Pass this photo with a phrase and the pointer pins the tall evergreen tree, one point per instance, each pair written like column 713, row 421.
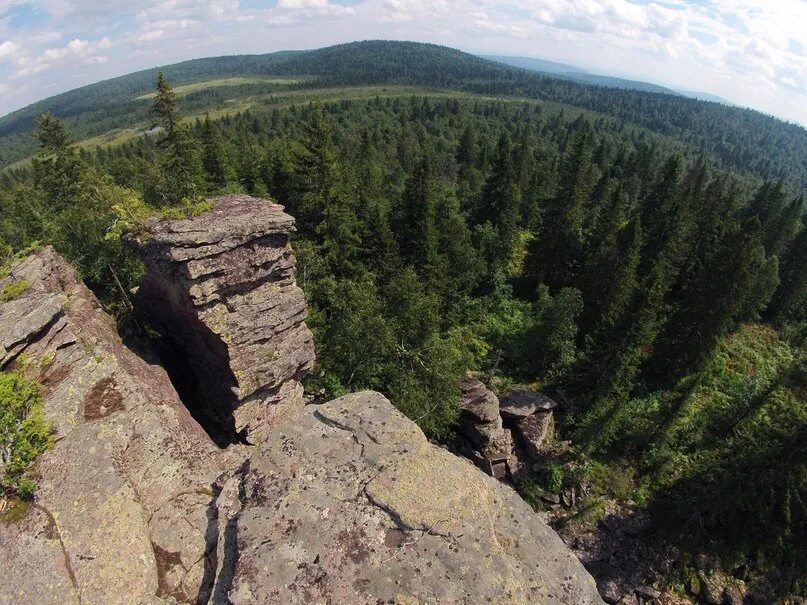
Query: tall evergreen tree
column 501, row 200
column 557, row 247
column 214, row 159
column 182, row 174
column 57, row 169
column 415, row 222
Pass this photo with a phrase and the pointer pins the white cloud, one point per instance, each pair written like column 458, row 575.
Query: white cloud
column 321, row 7
column 76, row 52
column 751, row 51
column 8, row 49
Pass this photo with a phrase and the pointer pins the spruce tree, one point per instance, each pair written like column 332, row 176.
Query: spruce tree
column 415, row 222
column 317, row 170
column 214, row 159
column 788, row 302
column 57, row 169
column 501, row 199
column 182, row 174
column 555, row 253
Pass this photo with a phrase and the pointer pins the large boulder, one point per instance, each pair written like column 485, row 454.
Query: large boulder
column 221, row 288
column 349, row 503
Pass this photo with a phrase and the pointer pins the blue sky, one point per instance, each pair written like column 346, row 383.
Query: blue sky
column 752, row 52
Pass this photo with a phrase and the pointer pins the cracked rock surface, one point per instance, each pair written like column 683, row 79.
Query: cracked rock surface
column 349, row 503
column 345, row 503
column 223, row 286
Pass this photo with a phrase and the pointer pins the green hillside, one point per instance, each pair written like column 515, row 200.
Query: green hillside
column 747, row 140
column 454, row 214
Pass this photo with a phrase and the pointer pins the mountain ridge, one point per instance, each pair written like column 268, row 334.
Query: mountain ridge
column 767, row 146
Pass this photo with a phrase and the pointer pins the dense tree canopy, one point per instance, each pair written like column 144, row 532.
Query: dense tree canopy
column 441, row 234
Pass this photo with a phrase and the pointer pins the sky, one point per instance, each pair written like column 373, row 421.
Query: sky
column 751, row 52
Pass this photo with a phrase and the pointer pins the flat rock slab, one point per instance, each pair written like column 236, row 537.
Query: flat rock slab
column 520, row 404
column 349, row 503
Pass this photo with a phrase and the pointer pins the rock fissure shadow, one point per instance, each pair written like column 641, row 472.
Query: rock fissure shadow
column 197, row 362
column 205, row 384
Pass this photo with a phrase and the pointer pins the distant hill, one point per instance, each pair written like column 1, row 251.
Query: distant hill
column 705, row 96
column 570, row 72
column 749, row 140
column 549, row 67
column 562, row 70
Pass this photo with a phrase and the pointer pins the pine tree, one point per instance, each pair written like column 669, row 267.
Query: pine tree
column 318, row 170
column 214, row 159
column 57, row 169
column 789, row 301
column 466, row 149
column 501, row 199
column 182, row 174
column 557, row 247
column 415, row 224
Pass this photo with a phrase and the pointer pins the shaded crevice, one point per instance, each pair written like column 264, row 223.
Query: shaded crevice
column 224, row 574
column 196, row 360
column 211, row 549
column 207, row 392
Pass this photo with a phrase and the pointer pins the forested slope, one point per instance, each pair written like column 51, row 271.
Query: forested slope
column 741, row 138
column 661, row 295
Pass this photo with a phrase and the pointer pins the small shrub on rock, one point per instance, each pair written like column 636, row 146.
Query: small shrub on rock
column 24, row 433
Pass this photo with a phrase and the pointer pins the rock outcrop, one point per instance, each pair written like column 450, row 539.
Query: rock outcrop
column 221, row 288
column 121, row 512
column 530, row 415
column 342, row 503
column 349, row 503
column 488, row 427
column 489, row 444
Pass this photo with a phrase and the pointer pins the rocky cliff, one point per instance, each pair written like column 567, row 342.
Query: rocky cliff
column 342, row 503
column 222, row 286
column 121, row 513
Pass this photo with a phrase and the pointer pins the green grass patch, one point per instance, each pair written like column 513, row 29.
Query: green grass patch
column 186, row 89
column 14, row 289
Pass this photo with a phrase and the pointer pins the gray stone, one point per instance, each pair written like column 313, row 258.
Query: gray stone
column 122, row 496
column 346, row 502
column 478, row 401
column 222, row 285
column 520, row 404
column 349, row 503
column 534, row 431
column 647, row 592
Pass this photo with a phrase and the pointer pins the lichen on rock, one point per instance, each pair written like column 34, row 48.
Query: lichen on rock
column 345, row 502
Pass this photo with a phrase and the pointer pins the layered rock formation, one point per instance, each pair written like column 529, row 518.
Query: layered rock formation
column 221, row 286
column 344, row 503
column 488, row 427
column 490, row 445
column 530, row 415
column 121, row 512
